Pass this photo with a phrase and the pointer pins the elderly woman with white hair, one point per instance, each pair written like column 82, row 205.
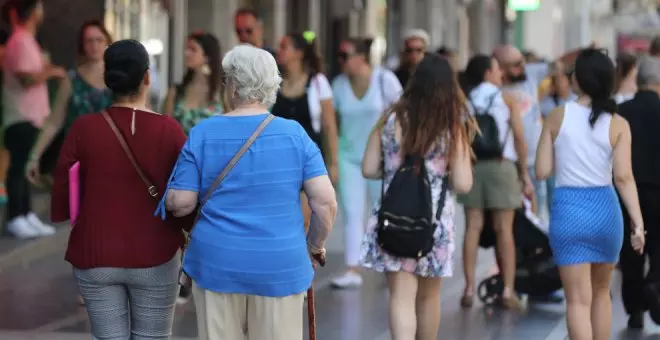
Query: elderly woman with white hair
column 248, row 256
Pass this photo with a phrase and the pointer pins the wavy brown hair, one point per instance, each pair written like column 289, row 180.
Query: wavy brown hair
column 432, row 108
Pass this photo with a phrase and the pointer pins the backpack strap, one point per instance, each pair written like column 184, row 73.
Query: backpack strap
column 491, row 101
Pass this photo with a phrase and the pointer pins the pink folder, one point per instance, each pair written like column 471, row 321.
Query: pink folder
column 74, row 192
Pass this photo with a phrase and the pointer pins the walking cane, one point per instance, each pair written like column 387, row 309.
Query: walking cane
column 311, row 311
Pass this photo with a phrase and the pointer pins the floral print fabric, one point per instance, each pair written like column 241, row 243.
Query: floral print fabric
column 85, row 99
column 189, row 117
column 438, row 262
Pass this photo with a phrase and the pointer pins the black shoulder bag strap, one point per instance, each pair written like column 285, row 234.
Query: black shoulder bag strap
column 443, row 198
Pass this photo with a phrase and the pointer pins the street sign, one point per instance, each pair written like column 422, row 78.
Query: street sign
column 524, row 5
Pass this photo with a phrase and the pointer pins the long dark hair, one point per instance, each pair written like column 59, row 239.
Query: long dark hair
column 312, row 59
column 431, row 108
column 211, row 48
column 475, row 72
column 625, row 63
column 595, row 75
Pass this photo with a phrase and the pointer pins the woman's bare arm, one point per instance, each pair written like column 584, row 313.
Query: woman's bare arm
column 545, row 152
column 329, row 128
column 323, row 202
column 623, row 175
column 55, row 120
column 461, row 165
column 168, row 105
column 181, row 202
column 372, row 162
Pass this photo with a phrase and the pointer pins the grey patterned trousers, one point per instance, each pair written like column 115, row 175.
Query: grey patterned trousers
column 130, row 304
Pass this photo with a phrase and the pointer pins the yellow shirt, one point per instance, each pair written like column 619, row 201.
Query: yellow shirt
column 544, row 88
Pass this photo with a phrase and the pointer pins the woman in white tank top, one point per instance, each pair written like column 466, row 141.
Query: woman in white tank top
column 585, row 142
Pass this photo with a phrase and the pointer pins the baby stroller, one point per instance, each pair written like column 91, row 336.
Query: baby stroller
column 536, row 272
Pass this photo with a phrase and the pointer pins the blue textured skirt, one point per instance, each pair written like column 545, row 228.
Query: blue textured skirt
column 586, row 225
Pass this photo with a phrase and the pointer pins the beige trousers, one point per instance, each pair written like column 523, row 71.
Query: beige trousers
column 248, row 317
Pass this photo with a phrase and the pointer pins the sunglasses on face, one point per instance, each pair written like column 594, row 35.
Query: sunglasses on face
column 411, row 50
column 343, row 56
column 247, row 31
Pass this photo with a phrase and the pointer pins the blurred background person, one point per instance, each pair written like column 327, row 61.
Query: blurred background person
column 4, row 154
column 26, row 107
column 306, row 97
column 497, row 181
column 587, row 146
column 641, row 112
column 199, row 95
column 432, row 109
column 559, row 91
column 125, row 259
column 450, row 55
column 415, row 46
column 83, row 92
column 626, row 77
column 361, row 94
column 249, row 257
column 250, row 29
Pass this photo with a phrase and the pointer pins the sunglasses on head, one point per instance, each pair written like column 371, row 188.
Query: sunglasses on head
column 247, row 31
column 414, row 50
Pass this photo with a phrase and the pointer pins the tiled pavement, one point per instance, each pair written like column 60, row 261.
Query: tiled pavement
column 38, row 301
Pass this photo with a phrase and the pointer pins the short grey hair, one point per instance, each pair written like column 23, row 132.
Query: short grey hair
column 253, row 74
column 417, row 33
column 648, row 72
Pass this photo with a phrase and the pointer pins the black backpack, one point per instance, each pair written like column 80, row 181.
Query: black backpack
column 487, row 144
column 405, row 219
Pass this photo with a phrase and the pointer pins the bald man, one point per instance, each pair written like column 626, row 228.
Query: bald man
column 523, row 80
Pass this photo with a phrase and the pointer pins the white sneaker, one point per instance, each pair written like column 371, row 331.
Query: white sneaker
column 21, row 228
column 348, row 280
column 40, row 227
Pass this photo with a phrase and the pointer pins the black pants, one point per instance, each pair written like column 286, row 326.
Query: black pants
column 19, row 140
column 633, row 264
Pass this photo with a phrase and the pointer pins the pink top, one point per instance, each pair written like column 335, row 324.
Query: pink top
column 23, row 55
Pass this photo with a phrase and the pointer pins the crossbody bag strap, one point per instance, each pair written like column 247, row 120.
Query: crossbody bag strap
column 231, row 165
column 442, row 198
column 153, row 191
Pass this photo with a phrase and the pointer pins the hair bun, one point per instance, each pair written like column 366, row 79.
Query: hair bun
column 116, row 79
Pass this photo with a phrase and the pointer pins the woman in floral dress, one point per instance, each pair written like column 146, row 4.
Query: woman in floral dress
column 199, row 95
column 426, row 122
column 84, row 92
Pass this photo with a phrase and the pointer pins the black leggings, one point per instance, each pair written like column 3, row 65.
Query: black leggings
column 19, row 140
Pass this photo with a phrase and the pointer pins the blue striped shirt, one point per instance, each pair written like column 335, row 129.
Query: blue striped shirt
column 250, row 238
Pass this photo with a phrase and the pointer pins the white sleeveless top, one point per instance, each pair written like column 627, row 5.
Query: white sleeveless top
column 481, row 97
column 583, row 154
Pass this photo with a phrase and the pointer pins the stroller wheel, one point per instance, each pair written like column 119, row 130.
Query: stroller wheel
column 490, row 289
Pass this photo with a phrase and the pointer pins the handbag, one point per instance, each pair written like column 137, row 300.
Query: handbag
column 151, row 188
column 183, row 277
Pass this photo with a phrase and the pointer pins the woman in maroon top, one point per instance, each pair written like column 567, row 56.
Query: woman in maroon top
column 125, row 259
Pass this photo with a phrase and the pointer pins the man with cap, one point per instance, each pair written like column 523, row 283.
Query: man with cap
column 415, row 45
column 640, row 291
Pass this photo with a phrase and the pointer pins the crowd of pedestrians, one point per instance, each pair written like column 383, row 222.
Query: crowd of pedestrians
column 227, row 192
